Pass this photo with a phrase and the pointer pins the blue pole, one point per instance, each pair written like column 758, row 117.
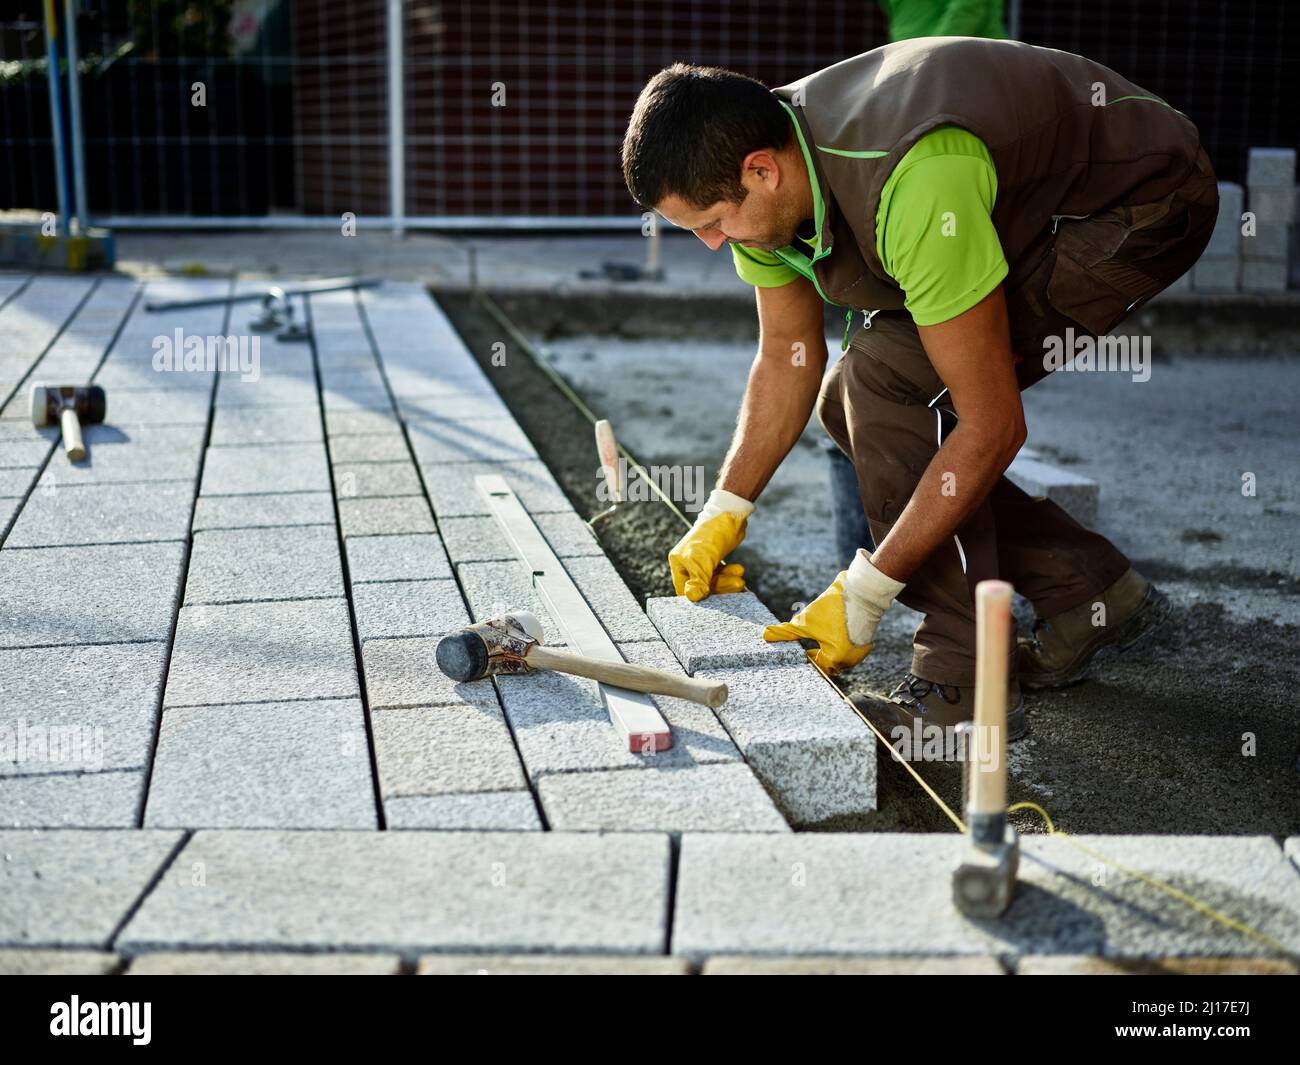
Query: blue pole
column 56, row 113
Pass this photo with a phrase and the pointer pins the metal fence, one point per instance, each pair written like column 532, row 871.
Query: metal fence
column 495, row 113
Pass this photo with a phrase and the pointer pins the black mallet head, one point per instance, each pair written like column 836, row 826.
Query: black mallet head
column 497, row 645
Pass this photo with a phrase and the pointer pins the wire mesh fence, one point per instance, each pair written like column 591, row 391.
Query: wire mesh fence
column 278, row 110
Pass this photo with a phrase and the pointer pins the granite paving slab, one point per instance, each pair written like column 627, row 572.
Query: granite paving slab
column 271, row 468
column 411, row 892
column 263, row 765
column 79, row 709
column 125, row 592
column 262, row 652
column 886, row 893
column 256, row 565
column 71, row 888
column 71, row 514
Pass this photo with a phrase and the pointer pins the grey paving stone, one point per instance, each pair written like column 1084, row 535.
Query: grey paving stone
column 20, row 453
column 369, row 448
column 551, row 965
column 412, row 891
column 439, row 750
column 57, row 963
column 886, row 893
column 362, row 422
column 408, row 608
column 610, row 598
column 272, row 468
column 67, row 515
column 1079, row 495
column 262, row 652
column 264, row 511
column 8, row 512
column 1264, row 275
column 562, row 726
column 71, row 888
column 1271, row 168
column 262, row 963
column 406, row 673
column 369, row 479
column 1292, row 849
column 1217, row 273
column 256, row 565
column 269, row 390
column 124, row 592
column 140, row 453
column 1076, row 965
column 1225, row 240
column 832, row 965
column 16, row 483
column 357, row 399
column 489, row 440
column 108, row 799
column 705, row 798
column 235, row 426
column 75, row 709
column 453, row 408
column 481, row 811
column 452, row 492
column 378, row 517
column 463, row 381
column 411, row 557
column 351, row 377
column 163, row 406
column 812, row 752
column 720, row 632
column 263, row 765
column 481, row 539
column 131, row 373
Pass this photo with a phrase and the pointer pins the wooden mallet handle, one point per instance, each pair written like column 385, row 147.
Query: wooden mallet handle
column 71, row 426
column 626, row 675
column 988, row 789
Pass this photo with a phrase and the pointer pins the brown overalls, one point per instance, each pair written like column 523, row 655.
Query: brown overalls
column 1105, row 197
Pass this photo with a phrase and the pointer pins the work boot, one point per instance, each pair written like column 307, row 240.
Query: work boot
column 1062, row 648
column 908, row 715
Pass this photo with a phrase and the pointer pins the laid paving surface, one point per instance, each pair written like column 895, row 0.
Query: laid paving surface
column 226, row 745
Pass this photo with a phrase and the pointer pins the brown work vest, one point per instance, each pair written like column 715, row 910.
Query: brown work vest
column 1057, row 147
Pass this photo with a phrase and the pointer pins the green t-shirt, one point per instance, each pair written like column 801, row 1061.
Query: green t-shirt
column 934, row 230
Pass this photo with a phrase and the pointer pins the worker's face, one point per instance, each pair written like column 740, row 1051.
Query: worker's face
column 766, row 218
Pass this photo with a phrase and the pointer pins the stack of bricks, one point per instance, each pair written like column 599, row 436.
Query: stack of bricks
column 1270, row 179
column 1219, row 268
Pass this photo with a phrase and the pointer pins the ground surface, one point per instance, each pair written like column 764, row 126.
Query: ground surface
column 1153, row 740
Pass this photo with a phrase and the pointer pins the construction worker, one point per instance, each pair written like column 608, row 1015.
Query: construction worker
column 981, row 202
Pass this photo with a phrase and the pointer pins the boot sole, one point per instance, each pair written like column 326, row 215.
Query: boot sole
column 1148, row 617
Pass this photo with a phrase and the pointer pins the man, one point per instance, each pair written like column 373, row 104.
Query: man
column 987, row 200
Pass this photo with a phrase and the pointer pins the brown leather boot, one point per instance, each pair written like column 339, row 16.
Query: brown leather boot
column 908, row 715
column 1061, row 650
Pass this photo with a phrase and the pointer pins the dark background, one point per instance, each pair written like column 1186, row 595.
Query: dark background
column 296, row 120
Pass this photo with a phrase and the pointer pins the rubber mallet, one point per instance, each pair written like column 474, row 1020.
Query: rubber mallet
column 984, row 883
column 72, row 406
column 512, row 643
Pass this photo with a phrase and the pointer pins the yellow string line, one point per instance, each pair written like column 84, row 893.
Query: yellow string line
column 1159, row 885
column 1239, row 926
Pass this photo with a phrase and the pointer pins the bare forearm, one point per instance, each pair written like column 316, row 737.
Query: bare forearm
column 775, row 409
column 958, row 479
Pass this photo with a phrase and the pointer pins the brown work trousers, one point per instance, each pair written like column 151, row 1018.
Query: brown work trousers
column 889, row 411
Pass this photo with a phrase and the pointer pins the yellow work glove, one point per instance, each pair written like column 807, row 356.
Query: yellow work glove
column 696, row 561
column 843, row 618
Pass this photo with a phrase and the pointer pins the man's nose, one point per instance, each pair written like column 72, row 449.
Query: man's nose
column 713, row 239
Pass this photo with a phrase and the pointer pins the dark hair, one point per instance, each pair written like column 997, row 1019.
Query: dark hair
column 691, row 128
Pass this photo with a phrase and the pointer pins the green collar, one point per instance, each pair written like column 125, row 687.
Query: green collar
column 819, row 205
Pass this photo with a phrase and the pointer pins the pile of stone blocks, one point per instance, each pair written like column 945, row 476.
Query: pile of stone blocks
column 1219, row 267
column 812, row 752
column 1271, row 198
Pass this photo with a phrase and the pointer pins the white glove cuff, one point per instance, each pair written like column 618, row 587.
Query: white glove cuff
column 866, row 583
column 721, row 501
